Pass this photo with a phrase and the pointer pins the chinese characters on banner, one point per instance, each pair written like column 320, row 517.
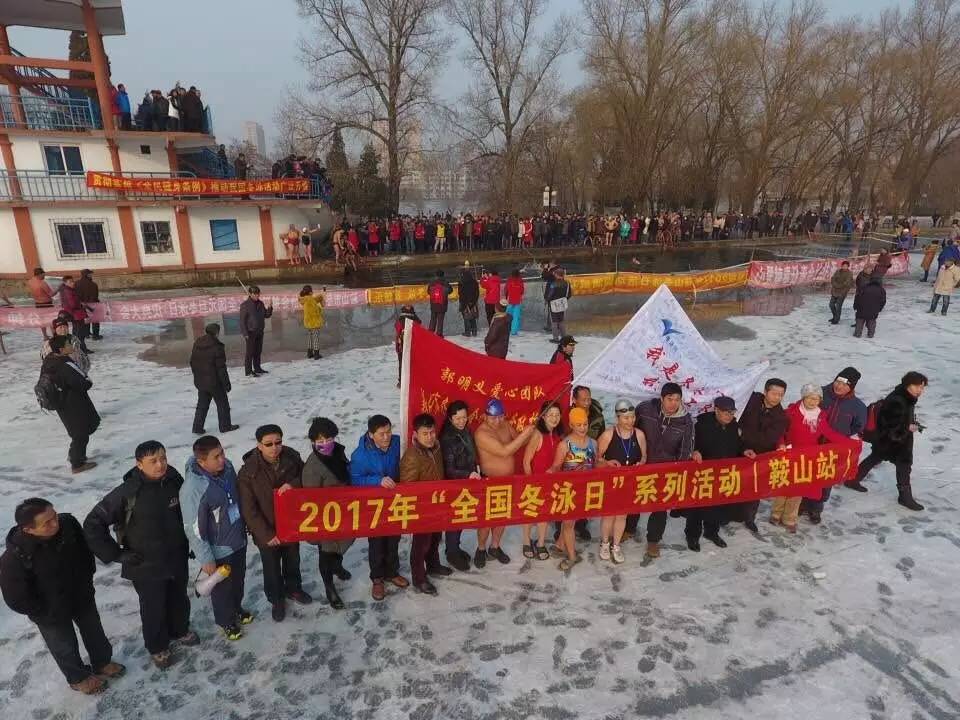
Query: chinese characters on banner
column 424, row 507
column 196, row 186
column 782, row 274
column 440, row 372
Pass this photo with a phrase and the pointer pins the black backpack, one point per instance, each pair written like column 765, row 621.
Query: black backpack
column 49, row 395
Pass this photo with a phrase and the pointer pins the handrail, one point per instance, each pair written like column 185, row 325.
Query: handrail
column 47, row 113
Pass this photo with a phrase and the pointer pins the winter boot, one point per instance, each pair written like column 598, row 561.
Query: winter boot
column 309, row 354
column 905, row 498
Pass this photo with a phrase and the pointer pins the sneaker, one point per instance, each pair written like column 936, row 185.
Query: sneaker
column 300, row 597
column 90, row 685
column 232, row 632
column 480, row 558
column 89, row 465
column 188, row 640
column 278, row 611
column 162, row 660
column 499, row 555
column 604, row 550
column 244, row 617
column 617, row 555
column 111, row 670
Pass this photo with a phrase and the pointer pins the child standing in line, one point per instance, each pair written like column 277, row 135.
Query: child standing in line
column 312, row 305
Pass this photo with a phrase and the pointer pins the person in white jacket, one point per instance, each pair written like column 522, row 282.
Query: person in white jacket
column 947, row 279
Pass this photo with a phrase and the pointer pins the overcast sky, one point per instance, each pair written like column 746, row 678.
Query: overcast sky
column 243, row 53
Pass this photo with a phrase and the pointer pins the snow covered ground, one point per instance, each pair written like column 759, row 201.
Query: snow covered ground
column 856, row 618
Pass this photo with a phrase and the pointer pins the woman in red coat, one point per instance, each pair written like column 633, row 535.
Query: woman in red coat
column 514, row 300
column 807, row 424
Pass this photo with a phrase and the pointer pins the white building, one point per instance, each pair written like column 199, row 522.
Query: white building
column 253, row 134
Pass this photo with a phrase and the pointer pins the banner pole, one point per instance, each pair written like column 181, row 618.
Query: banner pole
column 405, row 382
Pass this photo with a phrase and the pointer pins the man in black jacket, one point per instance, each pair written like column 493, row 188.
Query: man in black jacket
column 892, row 440
column 716, row 437
column 762, row 425
column 438, row 293
column 89, row 292
column 253, row 315
column 469, row 292
column 151, row 547
column 75, row 408
column 869, row 303
column 208, row 361
column 46, row 574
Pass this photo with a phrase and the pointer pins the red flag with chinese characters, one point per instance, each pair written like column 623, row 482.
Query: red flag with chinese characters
column 436, row 372
column 425, row 507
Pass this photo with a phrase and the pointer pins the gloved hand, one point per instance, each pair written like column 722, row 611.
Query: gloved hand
column 128, row 557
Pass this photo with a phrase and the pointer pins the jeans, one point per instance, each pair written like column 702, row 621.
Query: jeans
column 281, row 571
column 227, row 595
column 164, row 610
column 936, row 299
column 514, row 311
column 203, row 406
column 61, row 641
column 836, row 306
column 384, row 556
column 253, row 348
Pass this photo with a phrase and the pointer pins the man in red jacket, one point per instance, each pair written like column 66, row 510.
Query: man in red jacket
column 490, row 282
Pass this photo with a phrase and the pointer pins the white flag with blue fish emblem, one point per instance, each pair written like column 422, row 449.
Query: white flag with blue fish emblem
column 660, row 344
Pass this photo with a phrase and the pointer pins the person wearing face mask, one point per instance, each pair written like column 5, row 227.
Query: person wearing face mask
column 459, row 463
column 270, row 466
column 327, row 467
column 668, row 428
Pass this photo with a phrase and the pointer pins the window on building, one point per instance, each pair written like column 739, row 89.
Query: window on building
column 63, row 159
column 78, row 239
column 144, row 149
column 156, row 237
column 224, row 234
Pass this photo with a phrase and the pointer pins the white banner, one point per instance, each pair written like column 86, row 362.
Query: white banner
column 660, row 344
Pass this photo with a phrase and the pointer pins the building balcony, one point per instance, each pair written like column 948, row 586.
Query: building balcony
column 34, row 112
column 21, row 186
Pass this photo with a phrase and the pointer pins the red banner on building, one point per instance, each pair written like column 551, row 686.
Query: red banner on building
column 437, row 372
column 332, row 513
column 197, row 186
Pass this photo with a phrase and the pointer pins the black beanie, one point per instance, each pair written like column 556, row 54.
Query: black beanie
column 851, row 375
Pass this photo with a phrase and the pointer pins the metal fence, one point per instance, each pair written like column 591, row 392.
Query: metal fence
column 32, row 112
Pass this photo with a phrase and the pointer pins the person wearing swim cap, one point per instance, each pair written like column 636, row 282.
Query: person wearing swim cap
column 497, row 442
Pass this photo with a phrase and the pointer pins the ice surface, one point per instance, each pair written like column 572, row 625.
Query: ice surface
column 856, row 618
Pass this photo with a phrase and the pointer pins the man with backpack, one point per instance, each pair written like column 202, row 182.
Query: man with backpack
column 63, row 388
column 890, row 429
column 46, row 574
column 150, row 546
column 439, row 293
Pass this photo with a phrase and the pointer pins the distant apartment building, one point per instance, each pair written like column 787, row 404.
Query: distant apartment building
column 253, row 134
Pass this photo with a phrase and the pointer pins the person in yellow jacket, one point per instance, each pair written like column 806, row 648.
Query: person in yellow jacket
column 312, row 304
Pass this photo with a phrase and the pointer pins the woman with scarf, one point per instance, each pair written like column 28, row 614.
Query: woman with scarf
column 328, row 466
column 807, row 423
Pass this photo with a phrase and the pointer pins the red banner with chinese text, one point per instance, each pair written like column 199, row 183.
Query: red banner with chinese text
column 196, row 186
column 775, row 274
column 424, row 507
column 441, row 372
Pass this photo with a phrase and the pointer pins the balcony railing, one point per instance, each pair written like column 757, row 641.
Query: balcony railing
column 41, row 186
column 32, row 112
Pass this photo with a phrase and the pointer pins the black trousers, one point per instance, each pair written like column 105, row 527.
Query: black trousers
column 78, row 450
column 491, row 311
column 281, row 571
column 451, row 542
column 872, row 460
column 203, row 405
column 164, row 610
column 871, row 327
column 836, row 306
column 252, row 351
column 704, row 521
column 329, row 563
column 95, row 327
column 227, row 595
column 656, row 525
column 61, row 641
column 384, row 556
column 81, row 330
column 469, row 325
column 437, row 313
column 632, row 522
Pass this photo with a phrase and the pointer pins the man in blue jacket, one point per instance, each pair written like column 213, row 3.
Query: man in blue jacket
column 847, row 414
column 215, row 530
column 376, row 463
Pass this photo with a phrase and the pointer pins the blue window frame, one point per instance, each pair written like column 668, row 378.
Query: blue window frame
column 224, row 234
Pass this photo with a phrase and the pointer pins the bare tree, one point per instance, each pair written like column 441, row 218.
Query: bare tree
column 516, row 84
column 372, row 63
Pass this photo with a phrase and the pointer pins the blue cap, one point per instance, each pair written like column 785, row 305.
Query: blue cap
column 495, row 408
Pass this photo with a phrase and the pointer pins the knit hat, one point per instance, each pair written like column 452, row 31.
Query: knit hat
column 578, row 415
column 811, row 389
column 850, row 376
